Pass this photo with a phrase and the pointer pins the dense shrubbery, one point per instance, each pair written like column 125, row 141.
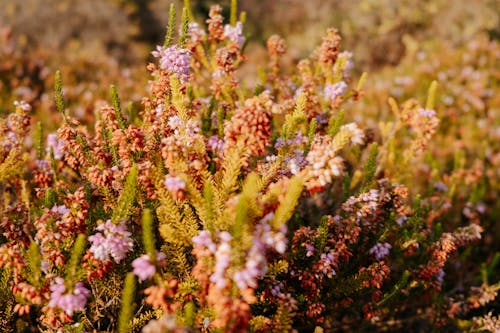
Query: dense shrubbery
column 301, row 203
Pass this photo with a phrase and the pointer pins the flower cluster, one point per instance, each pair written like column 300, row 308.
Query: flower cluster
column 69, row 301
column 113, row 240
column 175, row 60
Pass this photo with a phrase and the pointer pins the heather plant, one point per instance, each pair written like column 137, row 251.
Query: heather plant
column 225, row 207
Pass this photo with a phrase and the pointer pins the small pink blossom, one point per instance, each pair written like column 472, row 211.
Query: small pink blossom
column 69, row 302
column 144, row 269
column 175, row 60
column 114, row 241
column 56, row 145
column 235, row 34
column 332, row 91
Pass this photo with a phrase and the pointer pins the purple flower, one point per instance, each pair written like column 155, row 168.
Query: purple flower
column 215, row 143
column 426, row 113
column 23, row 105
column 310, row 250
column 114, row 241
column 195, row 32
column 144, row 269
column 326, row 263
column 440, row 276
column 222, row 260
column 380, row 250
column 256, row 263
column 69, row 302
column 235, row 34
column 401, row 220
column 346, row 59
column 60, row 209
column 175, row 60
column 204, row 239
column 174, row 184
column 56, row 144
column 332, row 91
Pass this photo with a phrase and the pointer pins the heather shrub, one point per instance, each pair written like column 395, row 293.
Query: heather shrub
column 221, row 206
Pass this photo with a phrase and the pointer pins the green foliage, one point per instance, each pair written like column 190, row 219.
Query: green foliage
column 171, row 27
column 73, row 269
column 127, row 308
column 115, row 100
column 287, row 206
column 127, row 198
column 184, row 28
column 148, row 237
column 59, row 98
column 370, row 167
column 35, row 264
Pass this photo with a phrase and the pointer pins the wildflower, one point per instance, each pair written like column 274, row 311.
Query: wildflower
column 380, row 250
column 204, row 239
column 327, row 260
column 175, row 122
column 114, row 241
column 68, row 301
column 56, row 145
column 222, row 260
column 251, row 124
column 235, row 34
column 195, row 33
column 215, row 28
column 175, row 60
column 440, row 275
column 23, row 105
column 144, row 269
column 329, row 49
column 175, row 186
column 356, row 134
column 215, row 144
column 323, row 163
column 309, row 249
column 332, row 91
column 345, row 59
column 426, row 113
column 61, row 210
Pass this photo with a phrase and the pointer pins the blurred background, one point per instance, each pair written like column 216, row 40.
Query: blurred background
column 126, row 30
column 99, row 42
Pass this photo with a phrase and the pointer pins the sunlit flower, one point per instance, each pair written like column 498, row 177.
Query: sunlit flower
column 113, row 241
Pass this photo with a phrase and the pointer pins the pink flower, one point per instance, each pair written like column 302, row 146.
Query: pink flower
column 426, row 113
column 60, row 209
column 235, row 34
column 23, row 105
column 222, row 260
column 175, row 60
column 114, row 241
column 69, row 302
column 144, row 269
column 54, row 143
column 204, row 239
column 332, row 91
